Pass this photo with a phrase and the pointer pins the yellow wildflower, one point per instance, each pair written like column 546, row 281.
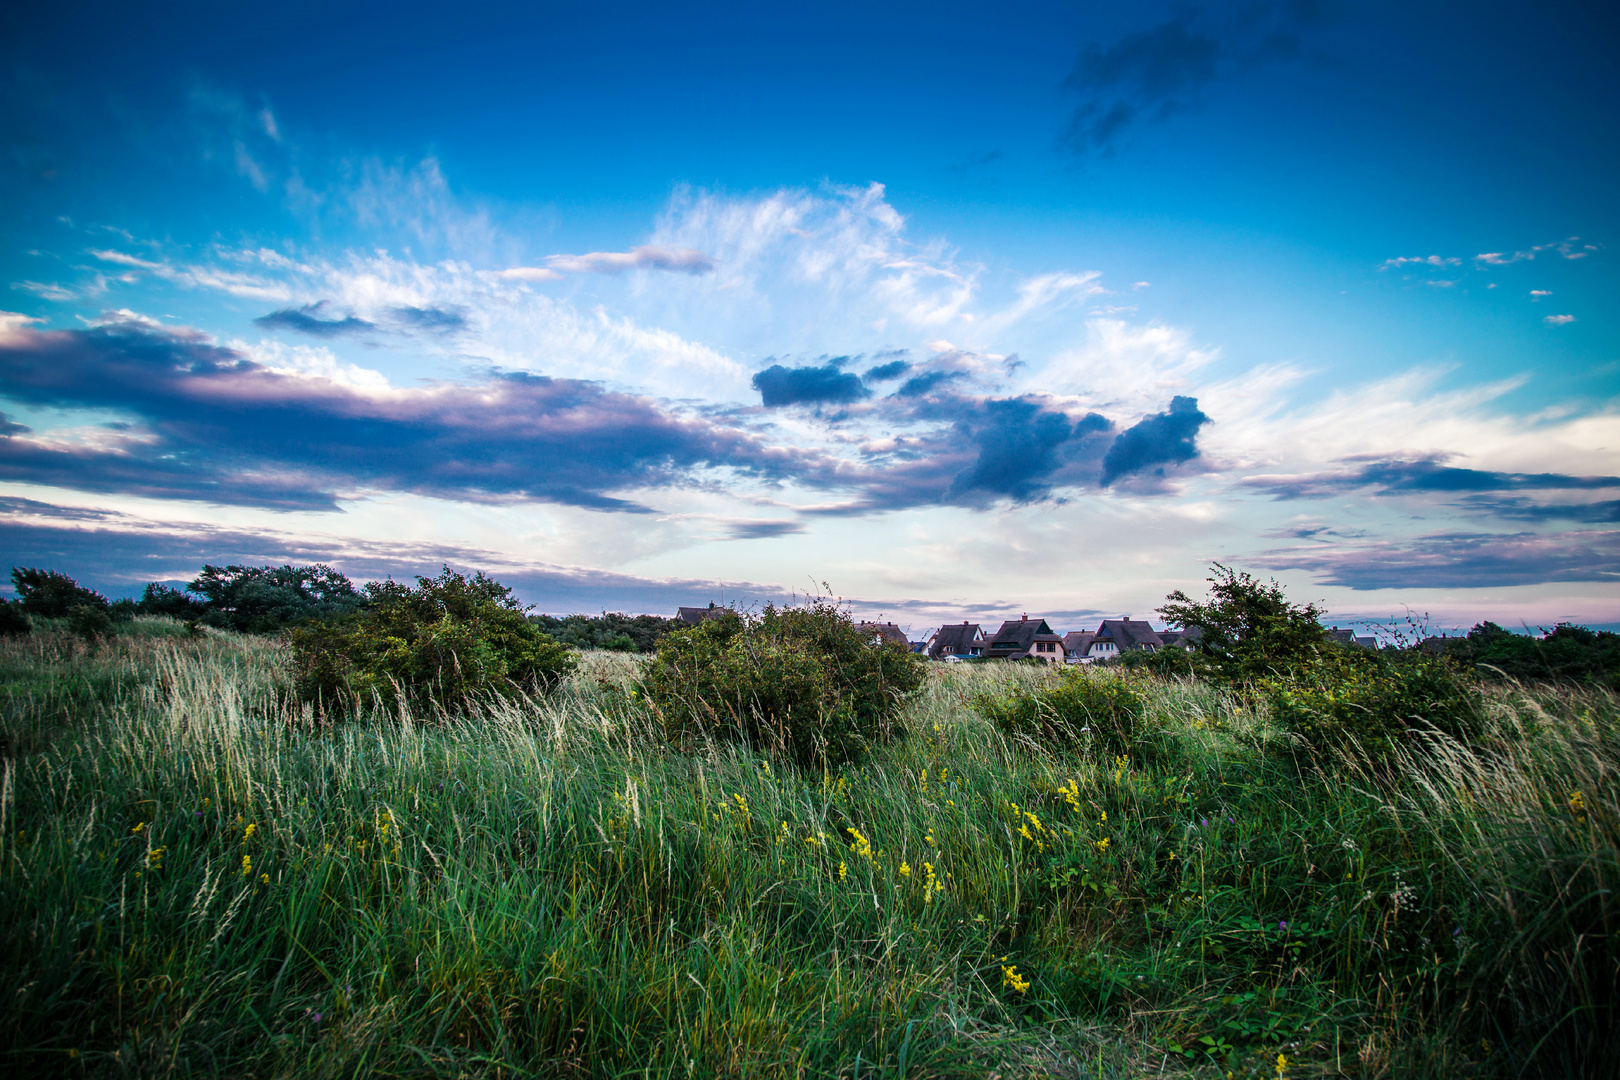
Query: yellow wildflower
column 1010, row 977
column 264, row 879
column 248, row 835
column 1282, row 1066
column 843, row 870
column 139, row 825
column 905, row 869
column 1102, row 846
column 247, row 865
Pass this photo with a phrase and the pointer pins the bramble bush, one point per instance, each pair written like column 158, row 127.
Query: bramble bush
column 800, row 683
column 1272, row 650
column 442, row 644
column 1081, row 710
column 1355, row 695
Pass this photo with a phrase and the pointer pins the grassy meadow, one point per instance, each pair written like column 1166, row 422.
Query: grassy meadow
column 199, row 879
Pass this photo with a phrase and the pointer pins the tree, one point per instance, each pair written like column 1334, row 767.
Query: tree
column 268, row 599
column 1249, row 628
column 50, row 595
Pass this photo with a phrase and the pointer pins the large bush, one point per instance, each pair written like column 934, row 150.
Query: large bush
column 800, row 683
column 440, row 644
column 160, row 599
column 1081, row 710
column 13, row 621
column 269, row 599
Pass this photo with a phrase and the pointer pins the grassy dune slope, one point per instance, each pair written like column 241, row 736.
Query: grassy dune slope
column 197, row 880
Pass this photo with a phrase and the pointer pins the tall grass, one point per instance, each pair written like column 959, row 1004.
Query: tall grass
column 198, row 878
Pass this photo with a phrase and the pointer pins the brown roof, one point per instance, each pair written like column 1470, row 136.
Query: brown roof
column 884, row 631
column 1129, row 634
column 1016, row 638
column 695, row 615
column 956, row 640
column 1076, row 642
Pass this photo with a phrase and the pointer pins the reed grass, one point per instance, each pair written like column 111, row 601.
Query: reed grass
column 199, row 878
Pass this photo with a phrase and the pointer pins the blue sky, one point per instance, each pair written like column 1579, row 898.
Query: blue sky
column 961, row 310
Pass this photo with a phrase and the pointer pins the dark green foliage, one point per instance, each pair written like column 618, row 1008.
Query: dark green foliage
column 13, row 620
column 269, row 599
column 47, row 594
column 1250, row 629
column 443, row 643
column 160, row 599
column 89, row 621
column 610, row 630
column 123, row 611
column 1566, row 653
column 799, row 683
column 1373, row 699
column 1081, row 710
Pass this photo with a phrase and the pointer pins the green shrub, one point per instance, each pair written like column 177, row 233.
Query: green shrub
column 13, row 620
column 89, row 621
column 47, row 594
column 1083, row 709
column 799, row 683
column 441, row 644
column 1372, row 699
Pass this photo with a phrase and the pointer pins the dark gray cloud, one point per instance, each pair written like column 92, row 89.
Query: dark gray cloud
column 1161, row 439
column 825, row 385
column 219, row 427
column 10, row 427
column 764, row 530
column 984, row 452
column 442, row 320
column 1521, row 509
column 1457, row 560
column 884, row 372
column 311, row 319
column 1155, row 73
column 1419, row 476
column 926, row 383
column 175, row 556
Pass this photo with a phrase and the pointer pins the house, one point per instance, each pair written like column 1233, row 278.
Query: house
column 1076, row 643
column 1117, row 636
column 1025, row 638
column 963, row 642
column 1348, row 636
column 695, row 615
column 885, row 631
column 1183, row 639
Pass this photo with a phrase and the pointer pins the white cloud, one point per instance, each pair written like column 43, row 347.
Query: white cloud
column 1539, row 293
column 45, row 291
column 1419, row 260
column 1558, row 320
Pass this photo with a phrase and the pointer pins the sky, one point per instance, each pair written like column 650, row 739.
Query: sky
column 952, row 311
